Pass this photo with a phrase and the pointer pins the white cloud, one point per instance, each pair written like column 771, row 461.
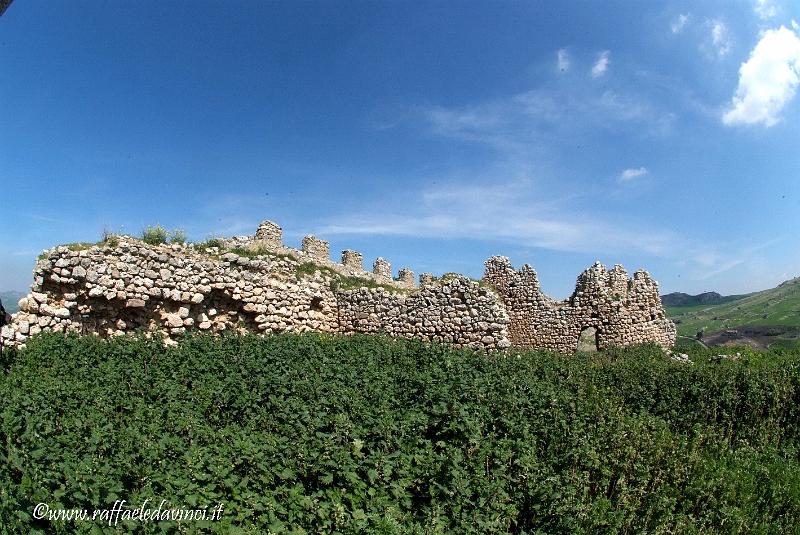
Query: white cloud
column 522, row 186
column 472, row 211
column 679, row 23
column 563, row 60
column 768, row 80
column 765, row 9
column 712, row 263
column 630, row 174
column 601, row 65
column 720, row 37
column 520, row 123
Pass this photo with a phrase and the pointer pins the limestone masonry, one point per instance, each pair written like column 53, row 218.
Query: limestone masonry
column 255, row 283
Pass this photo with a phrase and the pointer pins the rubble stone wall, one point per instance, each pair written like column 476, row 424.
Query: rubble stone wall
column 169, row 290
column 125, row 285
column 457, row 311
column 616, row 310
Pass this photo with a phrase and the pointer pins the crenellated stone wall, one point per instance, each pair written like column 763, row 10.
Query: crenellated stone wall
column 353, row 261
column 406, row 277
column 125, row 285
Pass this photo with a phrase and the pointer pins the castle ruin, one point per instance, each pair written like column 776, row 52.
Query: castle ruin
column 256, row 283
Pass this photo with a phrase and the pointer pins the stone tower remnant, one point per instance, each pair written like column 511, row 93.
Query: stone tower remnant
column 353, row 261
column 269, row 235
column 382, row 269
column 316, row 248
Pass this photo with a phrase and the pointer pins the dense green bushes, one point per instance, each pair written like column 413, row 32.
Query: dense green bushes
column 363, row 434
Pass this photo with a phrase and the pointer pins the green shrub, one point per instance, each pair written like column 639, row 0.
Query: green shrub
column 156, row 235
column 212, row 242
column 80, row 246
column 359, row 434
column 339, row 281
column 352, row 282
column 109, row 238
column 178, row 236
column 255, row 251
column 309, row 268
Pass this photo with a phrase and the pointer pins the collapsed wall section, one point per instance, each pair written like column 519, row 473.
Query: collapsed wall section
column 133, row 286
column 610, row 308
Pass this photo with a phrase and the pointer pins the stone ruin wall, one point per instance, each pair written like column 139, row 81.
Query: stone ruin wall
column 457, row 311
column 171, row 289
column 269, row 237
column 610, row 308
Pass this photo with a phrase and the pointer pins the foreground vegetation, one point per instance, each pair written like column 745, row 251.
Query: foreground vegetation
column 318, row 434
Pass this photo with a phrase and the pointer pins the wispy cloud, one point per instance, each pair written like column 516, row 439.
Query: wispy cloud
column 768, row 80
column 629, row 174
column 712, row 263
column 503, row 212
column 524, row 121
column 42, row 218
column 601, row 65
column 765, row 9
column 721, row 41
column 502, row 200
column 563, row 60
column 679, row 23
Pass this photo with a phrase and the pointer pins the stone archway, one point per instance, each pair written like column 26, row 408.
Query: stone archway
column 587, row 341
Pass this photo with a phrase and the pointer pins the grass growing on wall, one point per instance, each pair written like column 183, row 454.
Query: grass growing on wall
column 343, row 282
column 155, row 235
column 321, row 434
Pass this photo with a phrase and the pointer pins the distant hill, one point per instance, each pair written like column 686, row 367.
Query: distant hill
column 678, row 299
column 10, row 300
column 762, row 319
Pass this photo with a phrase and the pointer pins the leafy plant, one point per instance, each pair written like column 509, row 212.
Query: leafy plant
column 212, row 242
column 178, row 236
column 309, row 268
column 80, row 246
column 318, row 434
column 109, row 237
column 155, row 235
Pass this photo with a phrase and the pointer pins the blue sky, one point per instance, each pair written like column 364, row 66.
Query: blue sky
column 663, row 136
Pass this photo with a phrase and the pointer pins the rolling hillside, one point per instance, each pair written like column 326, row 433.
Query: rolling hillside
column 762, row 319
column 678, row 299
